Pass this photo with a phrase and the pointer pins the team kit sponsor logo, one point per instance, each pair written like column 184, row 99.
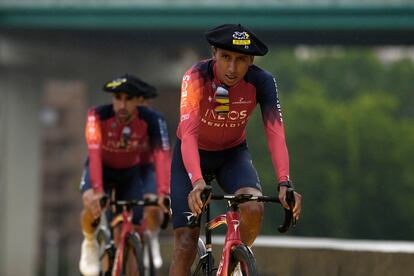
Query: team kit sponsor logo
column 120, row 146
column 165, row 142
column 278, row 106
column 234, row 118
column 184, row 94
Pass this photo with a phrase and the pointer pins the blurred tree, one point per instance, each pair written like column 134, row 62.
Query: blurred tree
column 350, row 134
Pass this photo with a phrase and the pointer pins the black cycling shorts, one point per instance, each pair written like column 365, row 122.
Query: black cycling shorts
column 233, row 169
column 129, row 184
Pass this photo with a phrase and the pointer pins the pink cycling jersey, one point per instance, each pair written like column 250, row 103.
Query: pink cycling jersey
column 201, row 127
column 118, row 146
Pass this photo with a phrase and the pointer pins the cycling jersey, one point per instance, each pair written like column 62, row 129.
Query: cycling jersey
column 121, row 146
column 129, row 184
column 201, row 127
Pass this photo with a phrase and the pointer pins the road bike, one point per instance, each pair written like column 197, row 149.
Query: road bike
column 235, row 255
column 122, row 254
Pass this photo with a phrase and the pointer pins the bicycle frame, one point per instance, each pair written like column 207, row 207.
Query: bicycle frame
column 232, row 220
column 124, row 221
column 126, row 228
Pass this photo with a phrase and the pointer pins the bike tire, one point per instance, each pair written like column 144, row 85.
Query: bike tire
column 243, row 255
column 199, row 266
column 133, row 262
column 150, row 270
column 103, row 236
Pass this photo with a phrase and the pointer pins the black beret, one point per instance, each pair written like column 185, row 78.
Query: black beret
column 151, row 94
column 237, row 38
column 129, row 84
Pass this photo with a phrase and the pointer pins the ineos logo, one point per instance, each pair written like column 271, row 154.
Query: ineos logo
column 231, row 115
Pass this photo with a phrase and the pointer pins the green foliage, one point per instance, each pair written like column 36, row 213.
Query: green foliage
column 349, row 124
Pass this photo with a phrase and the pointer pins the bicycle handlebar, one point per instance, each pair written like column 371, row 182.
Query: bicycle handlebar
column 132, row 203
column 241, row 198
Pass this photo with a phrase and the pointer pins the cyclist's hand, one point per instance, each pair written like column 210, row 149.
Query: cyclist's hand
column 161, row 203
column 298, row 206
column 91, row 202
column 298, row 202
column 194, row 199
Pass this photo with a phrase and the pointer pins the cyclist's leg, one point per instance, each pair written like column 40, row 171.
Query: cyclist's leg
column 89, row 259
column 185, row 239
column 153, row 215
column 238, row 176
column 86, row 217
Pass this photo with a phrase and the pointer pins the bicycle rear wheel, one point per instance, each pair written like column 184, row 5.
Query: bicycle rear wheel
column 133, row 263
column 242, row 255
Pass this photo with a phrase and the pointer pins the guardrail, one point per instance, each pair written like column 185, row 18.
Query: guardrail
column 299, row 256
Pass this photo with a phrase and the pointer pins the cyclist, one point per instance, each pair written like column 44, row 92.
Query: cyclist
column 153, row 216
column 120, row 137
column 218, row 96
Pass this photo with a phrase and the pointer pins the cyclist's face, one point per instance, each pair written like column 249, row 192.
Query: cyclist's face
column 231, row 66
column 124, row 105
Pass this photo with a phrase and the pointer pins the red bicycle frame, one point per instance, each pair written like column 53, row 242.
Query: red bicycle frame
column 232, row 220
column 126, row 228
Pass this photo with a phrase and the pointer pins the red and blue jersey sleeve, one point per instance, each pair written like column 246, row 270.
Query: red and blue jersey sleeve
column 268, row 98
column 160, row 147
column 191, row 93
column 93, row 134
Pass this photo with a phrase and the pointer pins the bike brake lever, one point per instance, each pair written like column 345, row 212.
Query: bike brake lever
column 289, row 220
column 102, row 203
column 194, row 221
column 167, row 203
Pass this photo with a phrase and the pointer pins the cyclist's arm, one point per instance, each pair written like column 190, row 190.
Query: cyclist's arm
column 274, row 129
column 162, row 162
column 94, row 140
column 162, row 158
column 191, row 93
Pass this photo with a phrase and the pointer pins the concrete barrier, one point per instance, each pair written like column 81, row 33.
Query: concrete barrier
column 288, row 256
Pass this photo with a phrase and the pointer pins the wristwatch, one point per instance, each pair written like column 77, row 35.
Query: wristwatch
column 287, row 184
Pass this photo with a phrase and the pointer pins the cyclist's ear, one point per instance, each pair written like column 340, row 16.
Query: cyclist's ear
column 213, row 52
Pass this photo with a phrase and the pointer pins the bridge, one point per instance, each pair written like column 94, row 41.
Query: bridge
column 280, row 24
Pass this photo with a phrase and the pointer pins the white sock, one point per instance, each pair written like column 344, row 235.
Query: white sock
column 88, row 236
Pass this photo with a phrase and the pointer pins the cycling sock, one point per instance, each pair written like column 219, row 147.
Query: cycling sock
column 88, row 236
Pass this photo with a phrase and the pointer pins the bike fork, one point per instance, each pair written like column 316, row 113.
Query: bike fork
column 209, row 248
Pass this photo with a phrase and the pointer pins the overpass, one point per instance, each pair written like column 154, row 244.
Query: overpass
column 177, row 24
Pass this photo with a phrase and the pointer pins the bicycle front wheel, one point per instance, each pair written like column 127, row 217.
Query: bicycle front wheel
column 133, row 264
column 200, row 264
column 242, row 260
